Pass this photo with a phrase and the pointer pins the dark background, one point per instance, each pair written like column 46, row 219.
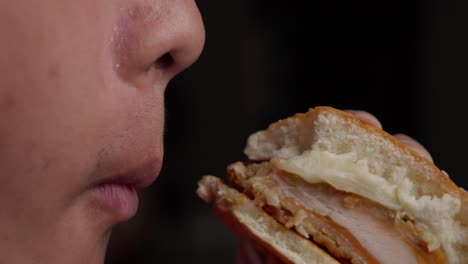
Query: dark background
column 404, row 61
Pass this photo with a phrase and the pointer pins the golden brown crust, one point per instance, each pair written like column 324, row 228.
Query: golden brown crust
column 232, row 207
column 245, row 234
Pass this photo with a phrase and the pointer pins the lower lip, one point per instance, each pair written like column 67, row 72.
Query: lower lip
column 120, row 200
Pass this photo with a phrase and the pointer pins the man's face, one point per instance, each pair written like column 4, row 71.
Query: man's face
column 81, row 117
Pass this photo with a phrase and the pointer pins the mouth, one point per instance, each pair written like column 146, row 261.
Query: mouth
column 117, row 195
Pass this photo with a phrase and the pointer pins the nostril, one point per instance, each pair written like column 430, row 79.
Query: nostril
column 164, row 62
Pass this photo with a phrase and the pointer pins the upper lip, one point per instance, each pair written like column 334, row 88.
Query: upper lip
column 138, row 177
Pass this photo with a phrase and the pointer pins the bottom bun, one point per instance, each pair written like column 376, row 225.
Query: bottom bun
column 238, row 212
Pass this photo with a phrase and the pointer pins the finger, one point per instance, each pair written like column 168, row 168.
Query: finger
column 413, row 144
column 246, row 254
column 366, row 117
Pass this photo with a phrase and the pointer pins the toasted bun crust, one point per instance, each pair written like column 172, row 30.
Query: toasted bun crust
column 329, row 130
column 240, row 213
column 326, row 128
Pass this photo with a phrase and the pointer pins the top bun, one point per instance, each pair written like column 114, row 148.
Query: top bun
column 423, row 191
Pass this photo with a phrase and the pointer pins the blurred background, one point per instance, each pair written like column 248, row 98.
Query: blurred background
column 404, row 61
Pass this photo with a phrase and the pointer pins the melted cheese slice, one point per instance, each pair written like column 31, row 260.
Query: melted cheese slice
column 346, row 173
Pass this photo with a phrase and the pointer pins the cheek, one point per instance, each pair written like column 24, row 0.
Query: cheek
column 50, row 103
column 60, row 113
column 65, row 114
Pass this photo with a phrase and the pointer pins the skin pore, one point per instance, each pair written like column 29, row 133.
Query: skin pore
column 81, row 100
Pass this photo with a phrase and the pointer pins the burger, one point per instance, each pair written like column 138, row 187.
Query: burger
column 325, row 187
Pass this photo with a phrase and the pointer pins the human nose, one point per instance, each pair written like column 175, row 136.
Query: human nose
column 154, row 40
column 185, row 38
